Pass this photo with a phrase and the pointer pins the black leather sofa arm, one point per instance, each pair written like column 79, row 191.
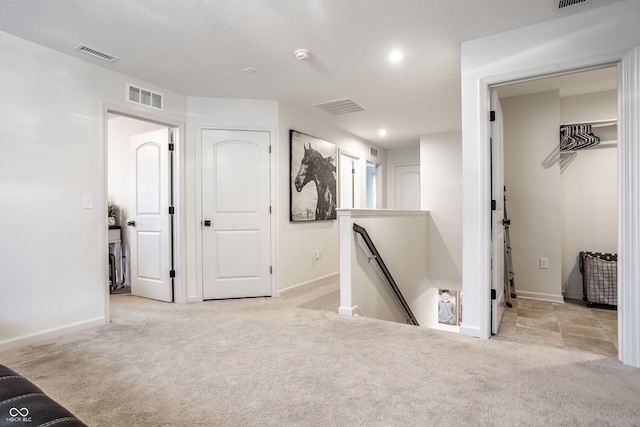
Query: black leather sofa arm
column 23, row 404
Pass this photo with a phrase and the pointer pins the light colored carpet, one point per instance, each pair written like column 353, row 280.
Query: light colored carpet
column 293, row 361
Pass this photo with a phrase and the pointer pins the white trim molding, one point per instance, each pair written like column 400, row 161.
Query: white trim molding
column 51, row 333
column 309, row 284
column 540, row 296
column 629, row 209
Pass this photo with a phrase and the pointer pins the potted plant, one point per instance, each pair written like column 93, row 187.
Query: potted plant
column 112, row 211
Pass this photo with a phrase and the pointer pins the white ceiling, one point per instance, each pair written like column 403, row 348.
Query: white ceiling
column 568, row 85
column 200, row 47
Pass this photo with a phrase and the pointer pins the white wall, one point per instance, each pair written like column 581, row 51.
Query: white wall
column 52, row 129
column 531, row 128
column 441, row 195
column 599, row 35
column 298, row 241
column 363, row 290
column 589, row 188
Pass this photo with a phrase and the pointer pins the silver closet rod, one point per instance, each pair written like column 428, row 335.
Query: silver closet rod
column 596, row 124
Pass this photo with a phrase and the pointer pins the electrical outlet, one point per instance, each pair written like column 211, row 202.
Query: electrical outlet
column 544, row 263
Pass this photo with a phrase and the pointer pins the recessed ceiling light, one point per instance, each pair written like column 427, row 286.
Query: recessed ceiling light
column 382, row 132
column 396, row 56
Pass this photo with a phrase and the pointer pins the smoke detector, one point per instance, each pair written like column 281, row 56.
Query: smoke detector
column 301, row 54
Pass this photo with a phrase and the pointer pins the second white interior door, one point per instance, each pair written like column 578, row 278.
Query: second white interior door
column 236, row 232
column 406, row 187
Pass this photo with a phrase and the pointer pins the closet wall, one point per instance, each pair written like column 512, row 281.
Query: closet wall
column 532, row 178
column 556, row 215
column 589, row 188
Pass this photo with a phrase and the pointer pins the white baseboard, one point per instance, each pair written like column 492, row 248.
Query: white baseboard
column 305, row 285
column 351, row 311
column 573, row 295
column 540, row 296
column 472, row 331
column 50, row 333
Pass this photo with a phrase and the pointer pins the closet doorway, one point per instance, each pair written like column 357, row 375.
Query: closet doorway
column 560, row 203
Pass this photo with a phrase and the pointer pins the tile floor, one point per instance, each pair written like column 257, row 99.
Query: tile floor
column 568, row 325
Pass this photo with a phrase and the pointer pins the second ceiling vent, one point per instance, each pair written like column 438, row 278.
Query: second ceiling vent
column 561, row 4
column 340, row 106
column 82, row 48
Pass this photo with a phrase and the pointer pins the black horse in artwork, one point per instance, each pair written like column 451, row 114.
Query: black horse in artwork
column 321, row 171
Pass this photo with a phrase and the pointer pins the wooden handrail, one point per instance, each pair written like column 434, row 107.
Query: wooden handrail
column 385, row 271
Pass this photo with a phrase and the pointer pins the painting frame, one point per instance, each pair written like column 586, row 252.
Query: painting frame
column 313, row 186
column 449, row 308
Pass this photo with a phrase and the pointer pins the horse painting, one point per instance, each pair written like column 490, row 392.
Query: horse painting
column 321, row 170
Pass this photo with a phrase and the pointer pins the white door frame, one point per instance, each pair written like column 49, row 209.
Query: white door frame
column 628, row 63
column 198, row 291
column 497, row 229
column 376, row 167
column 355, row 179
column 179, row 218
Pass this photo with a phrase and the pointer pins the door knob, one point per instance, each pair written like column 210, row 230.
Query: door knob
column 207, row 223
column 131, row 223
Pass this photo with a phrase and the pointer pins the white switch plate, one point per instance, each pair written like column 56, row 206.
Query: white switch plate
column 87, row 201
column 544, row 263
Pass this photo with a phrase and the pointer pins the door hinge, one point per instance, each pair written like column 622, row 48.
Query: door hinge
column 493, row 205
column 270, row 269
column 269, row 209
column 269, row 149
column 171, row 210
column 171, row 146
column 492, row 116
column 493, row 295
column 172, row 273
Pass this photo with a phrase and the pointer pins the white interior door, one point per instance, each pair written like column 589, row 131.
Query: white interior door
column 149, row 220
column 497, row 215
column 406, row 187
column 346, row 177
column 236, row 224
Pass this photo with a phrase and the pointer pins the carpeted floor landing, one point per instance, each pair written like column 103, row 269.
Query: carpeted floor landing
column 293, row 361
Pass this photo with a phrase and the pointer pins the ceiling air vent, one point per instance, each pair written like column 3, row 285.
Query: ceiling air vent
column 340, row 106
column 146, row 97
column 96, row 53
column 561, row 4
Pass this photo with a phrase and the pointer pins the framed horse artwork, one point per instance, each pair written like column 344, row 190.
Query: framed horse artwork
column 313, row 188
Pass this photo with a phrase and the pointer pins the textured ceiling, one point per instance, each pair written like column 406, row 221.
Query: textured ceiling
column 199, row 48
